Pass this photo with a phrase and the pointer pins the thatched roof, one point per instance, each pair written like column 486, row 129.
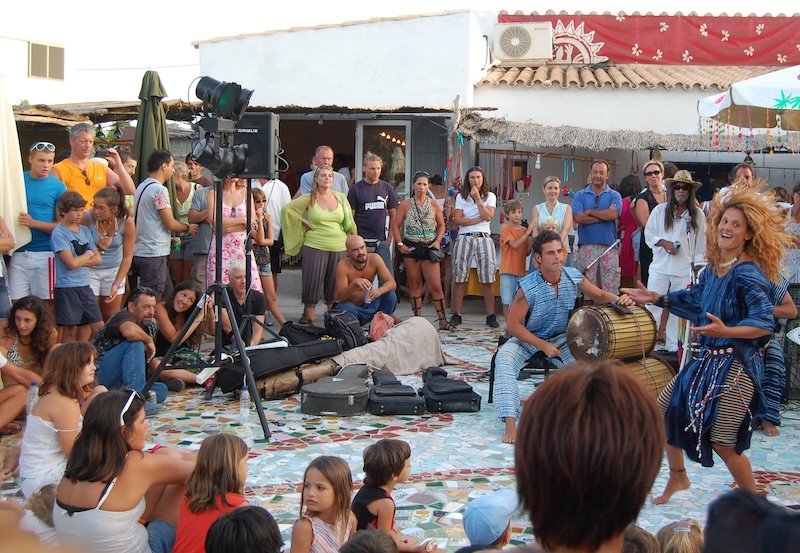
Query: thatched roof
column 492, row 130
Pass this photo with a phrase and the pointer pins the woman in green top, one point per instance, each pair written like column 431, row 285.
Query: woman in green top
column 316, row 226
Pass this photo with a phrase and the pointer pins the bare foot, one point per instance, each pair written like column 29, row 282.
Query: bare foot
column 11, row 428
column 770, row 429
column 511, row 430
column 9, row 460
column 678, row 480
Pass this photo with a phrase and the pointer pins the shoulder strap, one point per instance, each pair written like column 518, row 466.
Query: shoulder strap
column 136, row 211
column 106, row 491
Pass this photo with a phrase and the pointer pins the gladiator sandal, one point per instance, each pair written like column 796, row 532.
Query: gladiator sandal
column 416, row 305
column 443, row 324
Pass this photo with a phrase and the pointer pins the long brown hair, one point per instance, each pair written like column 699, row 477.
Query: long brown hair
column 336, row 471
column 216, row 472
column 466, row 186
column 767, row 226
column 101, row 448
column 40, row 336
column 64, row 369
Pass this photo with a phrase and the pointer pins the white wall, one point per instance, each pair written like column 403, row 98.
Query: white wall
column 660, row 110
column 424, row 61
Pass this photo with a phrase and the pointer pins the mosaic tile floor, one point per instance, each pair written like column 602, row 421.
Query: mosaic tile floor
column 455, row 457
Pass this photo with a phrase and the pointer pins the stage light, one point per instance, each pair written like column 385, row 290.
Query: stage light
column 222, row 161
column 222, row 99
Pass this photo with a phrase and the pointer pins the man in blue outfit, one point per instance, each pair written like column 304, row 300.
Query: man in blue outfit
column 32, row 269
column 596, row 209
column 354, row 282
column 537, row 321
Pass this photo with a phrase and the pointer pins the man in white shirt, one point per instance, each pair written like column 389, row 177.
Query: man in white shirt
column 323, row 156
column 676, row 232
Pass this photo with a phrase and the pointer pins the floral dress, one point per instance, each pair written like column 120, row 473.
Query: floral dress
column 232, row 249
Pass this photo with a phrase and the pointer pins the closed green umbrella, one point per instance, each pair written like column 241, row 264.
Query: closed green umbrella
column 151, row 127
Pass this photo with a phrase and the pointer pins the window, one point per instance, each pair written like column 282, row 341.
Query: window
column 45, row 61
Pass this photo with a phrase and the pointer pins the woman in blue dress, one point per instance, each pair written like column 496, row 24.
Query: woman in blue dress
column 709, row 405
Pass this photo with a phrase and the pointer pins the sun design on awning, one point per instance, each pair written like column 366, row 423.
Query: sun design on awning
column 574, row 45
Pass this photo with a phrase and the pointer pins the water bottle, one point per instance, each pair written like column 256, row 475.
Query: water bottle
column 33, row 397
column 367, row 299
column 244, row 406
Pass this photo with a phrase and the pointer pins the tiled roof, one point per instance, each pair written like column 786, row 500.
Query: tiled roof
column 618, row 76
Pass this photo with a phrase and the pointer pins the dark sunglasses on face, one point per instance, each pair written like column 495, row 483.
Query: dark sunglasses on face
column 681, row 186
column 652, row 173
column 42, row 146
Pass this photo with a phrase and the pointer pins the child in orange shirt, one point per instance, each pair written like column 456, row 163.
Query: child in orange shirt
column 515, row 245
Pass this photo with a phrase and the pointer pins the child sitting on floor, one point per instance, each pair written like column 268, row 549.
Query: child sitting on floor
column 387, row 463
column 326, row 521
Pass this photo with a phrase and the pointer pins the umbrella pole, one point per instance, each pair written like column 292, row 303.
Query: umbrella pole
column 222, row 298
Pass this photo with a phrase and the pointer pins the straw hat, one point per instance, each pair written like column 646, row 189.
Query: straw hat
column 684, row 177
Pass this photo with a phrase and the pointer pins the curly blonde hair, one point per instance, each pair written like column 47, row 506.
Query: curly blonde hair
column 766, row 224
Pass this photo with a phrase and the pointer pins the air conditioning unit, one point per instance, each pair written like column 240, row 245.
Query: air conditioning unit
column 515, row 42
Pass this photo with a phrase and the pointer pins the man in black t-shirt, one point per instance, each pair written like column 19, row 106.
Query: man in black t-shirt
column 126, row 344
column 244, row 301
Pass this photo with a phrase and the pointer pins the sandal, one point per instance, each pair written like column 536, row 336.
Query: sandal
column 416, row 306
column 443, row 324
column 304, row 321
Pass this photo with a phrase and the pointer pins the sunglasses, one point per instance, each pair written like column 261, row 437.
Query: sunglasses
column 652, row 173
column 42, row 146
column 682, row 187
column 474, row 168
column 127, row 406
column 86, row 177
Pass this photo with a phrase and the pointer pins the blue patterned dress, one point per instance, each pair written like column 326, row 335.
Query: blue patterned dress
column 739, row 298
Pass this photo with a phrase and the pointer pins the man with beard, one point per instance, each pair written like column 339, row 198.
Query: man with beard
column 126, row 344
column 355, row 275
column 676, row 232
column 537, row 321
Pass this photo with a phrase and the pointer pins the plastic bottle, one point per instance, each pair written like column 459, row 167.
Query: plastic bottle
column 244, row 406
column 367, row 299
column 33, row 397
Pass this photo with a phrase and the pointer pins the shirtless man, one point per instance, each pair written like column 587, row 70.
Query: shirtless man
column 354, row 282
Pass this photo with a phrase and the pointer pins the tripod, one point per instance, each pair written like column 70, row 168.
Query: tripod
column 222, row 299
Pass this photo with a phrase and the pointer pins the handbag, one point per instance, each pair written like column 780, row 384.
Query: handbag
column 435, row 256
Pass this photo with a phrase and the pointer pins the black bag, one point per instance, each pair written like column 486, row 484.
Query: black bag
column 267, row 362
column 344, row 326
column 435, row 256
column 343, row 394
column 389, row 397
column 300, row 334
column 448, row 395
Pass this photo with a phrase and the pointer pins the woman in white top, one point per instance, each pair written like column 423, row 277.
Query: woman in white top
column 111, row 489
column 551, row 207
column 55, row 420
column 475, row 207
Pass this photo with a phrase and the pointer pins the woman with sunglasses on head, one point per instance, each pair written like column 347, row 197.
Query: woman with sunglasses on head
column 423, row 232
column 114, row 497
column 263, row 238
column 643, row 204
column 475, row 207
column 114, row 234
column 182, row 252
column 55, row 420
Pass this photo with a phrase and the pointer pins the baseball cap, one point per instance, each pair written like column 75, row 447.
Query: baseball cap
column 487, row 517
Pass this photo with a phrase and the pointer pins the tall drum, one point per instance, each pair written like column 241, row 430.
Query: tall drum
column 654, row 373
column 602, row 332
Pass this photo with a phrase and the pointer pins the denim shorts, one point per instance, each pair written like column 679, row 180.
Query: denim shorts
column 265, row 270
column 160, row 535
column 508, row 287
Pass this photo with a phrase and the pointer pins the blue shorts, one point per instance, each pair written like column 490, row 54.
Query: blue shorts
column 509, row 284
column 265, row 270
column 160, row 535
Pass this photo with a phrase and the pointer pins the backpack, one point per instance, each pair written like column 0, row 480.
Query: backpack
column 344, row 325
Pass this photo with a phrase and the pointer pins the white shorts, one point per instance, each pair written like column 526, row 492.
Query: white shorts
column 101, row 280
column 32, row 274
